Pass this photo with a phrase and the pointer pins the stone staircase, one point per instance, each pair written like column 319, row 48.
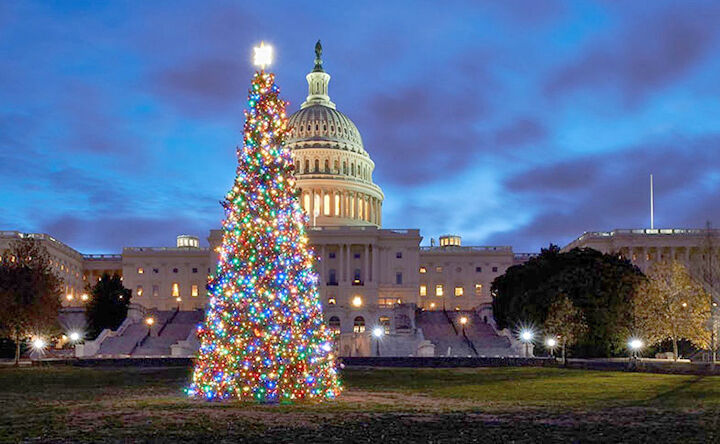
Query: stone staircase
column 477, row 338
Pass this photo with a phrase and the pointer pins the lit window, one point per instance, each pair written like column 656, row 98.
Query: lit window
column 307, row 202
column 175, row 289
column 357, row 301
column 139, row 290
column 337, row 204
column 438, row 269
column 423, row 270
column 156, row 290
column 478, row 289
column 194, row 290
column 439, row 290
column 331, row 301
column 458, row 291
column 385, row 322
column 423, row 290
column 359, row 324
column 140, row 270
column 326, row 205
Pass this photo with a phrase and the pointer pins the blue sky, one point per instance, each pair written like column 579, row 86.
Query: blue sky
column 512, row 123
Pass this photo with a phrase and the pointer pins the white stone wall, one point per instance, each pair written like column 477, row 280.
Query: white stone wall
column 460, row 267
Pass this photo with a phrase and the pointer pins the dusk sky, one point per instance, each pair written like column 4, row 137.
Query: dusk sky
column 510, row 123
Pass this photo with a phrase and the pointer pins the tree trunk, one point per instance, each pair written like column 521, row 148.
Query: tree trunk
column 17, row 348
column 563, row 353
column 675, row 348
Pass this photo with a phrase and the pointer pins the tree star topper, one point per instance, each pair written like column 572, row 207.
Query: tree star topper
column 263, row 55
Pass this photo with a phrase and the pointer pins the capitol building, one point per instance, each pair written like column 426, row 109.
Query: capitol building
column 370, row 276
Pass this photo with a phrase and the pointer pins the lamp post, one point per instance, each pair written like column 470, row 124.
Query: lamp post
column 463, row 322
column 149, row 321
column 378, row 333
column 526, row 336
column 635, row 345
column 551, row 343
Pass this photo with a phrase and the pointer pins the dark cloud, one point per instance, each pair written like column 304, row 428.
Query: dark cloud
column 645, row 56
column 205, row 87
column 111, row 234
column 522, row 131
column 611, row 190
column 429, row 132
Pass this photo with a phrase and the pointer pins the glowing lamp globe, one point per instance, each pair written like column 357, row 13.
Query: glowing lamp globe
column 551, row 342
column 635, row 344
column 526, row 335
column 74, row 336
column 378, row 332
column 38, row 343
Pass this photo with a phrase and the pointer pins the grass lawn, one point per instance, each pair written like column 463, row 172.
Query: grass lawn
column 378, row 405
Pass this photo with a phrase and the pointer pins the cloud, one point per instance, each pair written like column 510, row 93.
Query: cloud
column 611, row 190
column 646, row 55
column 522, row 131
column 430, row 133
column 112, row 233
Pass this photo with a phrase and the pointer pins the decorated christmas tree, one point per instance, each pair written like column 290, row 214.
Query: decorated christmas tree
column 263, row 337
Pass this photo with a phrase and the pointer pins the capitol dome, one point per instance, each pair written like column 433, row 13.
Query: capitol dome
column 333, row 170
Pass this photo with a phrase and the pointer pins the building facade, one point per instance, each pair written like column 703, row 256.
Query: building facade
column 643, row 247
column 369, row 276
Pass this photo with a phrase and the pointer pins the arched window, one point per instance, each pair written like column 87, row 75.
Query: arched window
column 307, row 165
column 335, row 166
column 334, row 324
column 327, row 166
column 332, row 277
column 359, row 325
column 307, row 203
column 326, row 205
column 344, row 167
column 317, row 165
column 357, row 276
column 352, row 169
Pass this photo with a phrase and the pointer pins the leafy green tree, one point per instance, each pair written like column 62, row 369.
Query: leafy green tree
column 108, row 306
column 670, row 304
column 29, row 293
column 599, row 285
column 565, row 322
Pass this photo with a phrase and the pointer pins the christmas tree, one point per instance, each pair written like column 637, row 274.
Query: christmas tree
column 263, row 337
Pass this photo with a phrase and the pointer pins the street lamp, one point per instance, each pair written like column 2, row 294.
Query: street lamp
column 551, row 343
column 635, row 345
column 378, row 332
column 74, row 336
column 526, row 336
column 149, row 321
column 463, row 321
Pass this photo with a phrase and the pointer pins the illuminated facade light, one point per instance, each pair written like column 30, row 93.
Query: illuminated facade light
column 357, row 301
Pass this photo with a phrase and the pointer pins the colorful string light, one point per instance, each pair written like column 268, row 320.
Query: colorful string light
column 263, row 337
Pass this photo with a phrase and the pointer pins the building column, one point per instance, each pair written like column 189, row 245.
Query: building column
column 311, row 210
column 323, row 266
column 347, row 263
column 366, row 271
column 341, row 270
